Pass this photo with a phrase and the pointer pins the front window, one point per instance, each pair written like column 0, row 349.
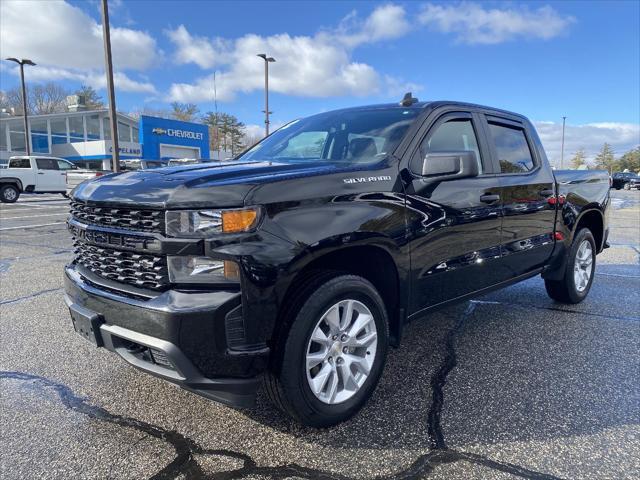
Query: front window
column 351, row 137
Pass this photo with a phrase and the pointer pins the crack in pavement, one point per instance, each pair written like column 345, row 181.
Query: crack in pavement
column 185, row 463
column 27, row 297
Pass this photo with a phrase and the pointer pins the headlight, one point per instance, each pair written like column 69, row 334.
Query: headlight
column 203, row 223
column 187, row 269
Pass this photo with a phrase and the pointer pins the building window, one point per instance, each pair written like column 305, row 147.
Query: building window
column 124, row 132
column 135, row 135
column 3, row 137
column 58, row 131
column 106, row 123
column 76, row 129
column 39, row 136
column 16, row 136
column 93, row 127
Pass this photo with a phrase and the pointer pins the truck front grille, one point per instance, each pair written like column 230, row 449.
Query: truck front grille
column 127, row 218
column 137, row 269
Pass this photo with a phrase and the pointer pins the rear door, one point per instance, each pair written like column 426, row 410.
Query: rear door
column 454, row 226
column 526, row 191
column 49, row 177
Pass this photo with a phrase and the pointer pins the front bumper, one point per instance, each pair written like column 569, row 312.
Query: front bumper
column 182, row 337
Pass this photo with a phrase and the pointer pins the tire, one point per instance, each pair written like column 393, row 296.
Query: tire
column 289, row 381
column 572, row 288
column 9, row 194
column 617, row 188
column 627, row 186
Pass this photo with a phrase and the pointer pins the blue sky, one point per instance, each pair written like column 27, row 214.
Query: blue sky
column 542, row 59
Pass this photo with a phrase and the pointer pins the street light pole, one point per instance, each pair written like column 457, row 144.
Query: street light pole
column 562, row 148
column 22, row 63
column 267, row 60
column 108, row 64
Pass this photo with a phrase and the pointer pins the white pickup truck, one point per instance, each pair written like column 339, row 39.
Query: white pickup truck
column 35, row 174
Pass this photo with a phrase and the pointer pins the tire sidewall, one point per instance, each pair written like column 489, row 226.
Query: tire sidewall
column 581, row 236
column 297, row 385
column 5, row 189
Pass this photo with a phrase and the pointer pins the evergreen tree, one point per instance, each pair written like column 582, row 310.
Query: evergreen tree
column 630, row 160
column 187, row 112
column 605, row 159
column 92, row 99
column 579, row 159
column 226, row 133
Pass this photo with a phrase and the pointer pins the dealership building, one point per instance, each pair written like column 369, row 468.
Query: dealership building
column 85, row 137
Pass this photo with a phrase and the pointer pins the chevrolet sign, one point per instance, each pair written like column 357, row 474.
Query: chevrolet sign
column 172, row 132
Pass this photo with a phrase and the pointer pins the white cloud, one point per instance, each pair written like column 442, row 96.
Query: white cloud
column 474, row 24
column 58, row 34
column 93, row 78
column 314, row 66
column 590, row 136
column 385, row 23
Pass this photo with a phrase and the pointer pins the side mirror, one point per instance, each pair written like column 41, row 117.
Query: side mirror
column 450, row 165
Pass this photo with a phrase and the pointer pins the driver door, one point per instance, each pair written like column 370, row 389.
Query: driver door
column 454, row 225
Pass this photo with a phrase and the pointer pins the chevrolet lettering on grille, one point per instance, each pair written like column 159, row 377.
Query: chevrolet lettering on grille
column 112, row 239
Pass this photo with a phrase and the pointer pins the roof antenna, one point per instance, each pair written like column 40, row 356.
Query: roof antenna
column 408, row 100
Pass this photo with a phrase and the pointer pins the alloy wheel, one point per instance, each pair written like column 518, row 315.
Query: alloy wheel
column 341, row 351
column 583, row 266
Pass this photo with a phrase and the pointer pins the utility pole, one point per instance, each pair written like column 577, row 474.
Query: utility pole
column 22, row 63
column 267, row 60
column 108, row 66
column 562, row 148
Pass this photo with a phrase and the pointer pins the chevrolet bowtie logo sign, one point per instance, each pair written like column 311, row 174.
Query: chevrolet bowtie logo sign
column 159, row 131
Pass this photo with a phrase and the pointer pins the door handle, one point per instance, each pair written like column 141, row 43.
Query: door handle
column 489, row 198
column 40, row 173
column 546, row 193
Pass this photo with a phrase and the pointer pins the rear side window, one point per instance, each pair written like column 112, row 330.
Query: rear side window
column 46, row 164
column 19, row 163
column 62, row 165
column 512, row 148
column 455, row 135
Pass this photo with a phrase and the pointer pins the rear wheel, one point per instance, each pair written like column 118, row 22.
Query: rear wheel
column 578, row 277
column 9, row 194
column 334, row 351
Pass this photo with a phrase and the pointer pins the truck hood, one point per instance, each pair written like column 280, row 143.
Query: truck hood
column 195, row 186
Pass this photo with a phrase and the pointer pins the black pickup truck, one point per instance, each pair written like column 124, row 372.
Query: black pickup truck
column 299, row 262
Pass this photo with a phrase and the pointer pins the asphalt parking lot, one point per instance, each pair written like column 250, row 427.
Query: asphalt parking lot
column 509, row 386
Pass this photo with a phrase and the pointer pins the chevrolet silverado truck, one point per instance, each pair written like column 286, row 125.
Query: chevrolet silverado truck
column 297, row 264
column 31, row 175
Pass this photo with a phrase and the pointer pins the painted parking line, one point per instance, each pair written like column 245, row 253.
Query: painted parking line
column 32, row 216
column 5, row 207
column 24, row 227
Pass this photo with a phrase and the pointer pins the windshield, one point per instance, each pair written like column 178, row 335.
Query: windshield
column 347, row 136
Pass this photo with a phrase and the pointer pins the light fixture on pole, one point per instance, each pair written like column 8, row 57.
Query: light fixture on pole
column 267, row 60
column 562, row 148
column 22, row 63
column 108, row 64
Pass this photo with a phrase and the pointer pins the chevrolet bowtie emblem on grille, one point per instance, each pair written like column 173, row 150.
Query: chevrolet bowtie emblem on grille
column 159, row 131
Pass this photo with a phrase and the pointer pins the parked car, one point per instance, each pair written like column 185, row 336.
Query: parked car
column 634, row 183
column 623, row 180
column 183, row 161
column 135, row 164
column 32, row 174
column 301, row 262
column 77, row 175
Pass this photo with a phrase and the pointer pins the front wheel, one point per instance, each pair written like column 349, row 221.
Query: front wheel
column 9, row 194
column 627, row 186
column 581, row 265
column 333, row 354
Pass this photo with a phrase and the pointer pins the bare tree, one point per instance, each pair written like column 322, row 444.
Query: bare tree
column 44, row 98
column 47, row 98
